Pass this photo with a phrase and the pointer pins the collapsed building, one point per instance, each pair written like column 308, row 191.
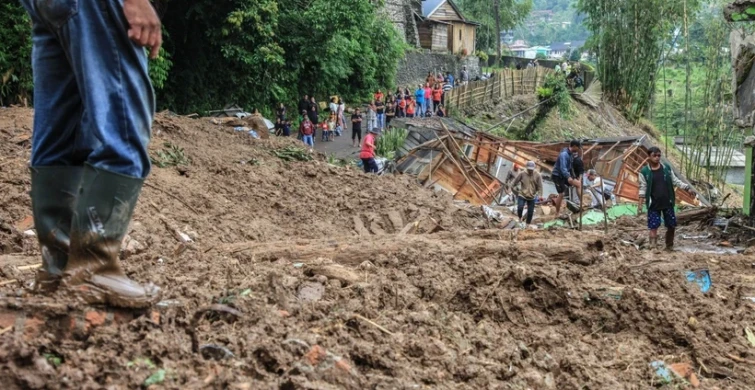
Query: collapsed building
column 472, row 165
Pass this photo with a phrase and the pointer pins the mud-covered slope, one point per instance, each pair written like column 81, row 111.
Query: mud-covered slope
column 323, row 290
column 582, row 121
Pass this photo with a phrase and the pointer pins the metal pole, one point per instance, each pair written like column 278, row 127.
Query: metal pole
column 603, row 202
column 581, row 187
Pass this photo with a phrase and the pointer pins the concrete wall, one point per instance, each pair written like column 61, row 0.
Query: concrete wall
column 510, row 62
column 414, row 66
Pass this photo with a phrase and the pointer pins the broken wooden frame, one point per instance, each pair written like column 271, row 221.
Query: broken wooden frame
column 470, row 173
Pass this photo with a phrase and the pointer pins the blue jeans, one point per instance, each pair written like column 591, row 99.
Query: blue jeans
column 370, row 165
column 420, row 108
column 530, row 208
column 309, row 140
column 380, row 121
column 93, row 98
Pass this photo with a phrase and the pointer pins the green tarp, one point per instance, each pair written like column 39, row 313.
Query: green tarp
column 594, row 217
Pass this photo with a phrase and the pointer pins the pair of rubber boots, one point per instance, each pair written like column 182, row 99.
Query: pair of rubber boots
column 670, row 233
column 81, row 215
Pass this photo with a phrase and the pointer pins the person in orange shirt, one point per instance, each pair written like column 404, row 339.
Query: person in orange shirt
column 401, row 111
column 411, row 105
column 437, row 93
column 379, row 96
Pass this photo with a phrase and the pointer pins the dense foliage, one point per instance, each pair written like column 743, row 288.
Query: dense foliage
column 254, row 53
column 511, row 14
column 565, row 25
column 15, row 53
column 261, row 52
column 628, row 38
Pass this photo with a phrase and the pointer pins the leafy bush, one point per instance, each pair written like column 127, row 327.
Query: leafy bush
column 170, row 156
column 558, row 93
column 482, row 56
column 15, row 54
column 544, row 93
column 390, row 142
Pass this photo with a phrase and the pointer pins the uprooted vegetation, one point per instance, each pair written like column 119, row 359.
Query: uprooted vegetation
column 307, row 275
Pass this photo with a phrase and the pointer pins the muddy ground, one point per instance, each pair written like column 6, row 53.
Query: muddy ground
column 321, row 280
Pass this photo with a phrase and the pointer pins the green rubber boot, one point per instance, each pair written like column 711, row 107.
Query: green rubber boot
column 103, row 211
column 53, row 196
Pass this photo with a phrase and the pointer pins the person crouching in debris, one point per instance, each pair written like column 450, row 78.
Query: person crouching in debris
column 562, row 173
column 368, row 151
column 307, row 130
column 657, row 182
column 531, row 186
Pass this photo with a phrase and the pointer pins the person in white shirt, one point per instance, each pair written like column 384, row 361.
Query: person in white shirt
column 593, row 184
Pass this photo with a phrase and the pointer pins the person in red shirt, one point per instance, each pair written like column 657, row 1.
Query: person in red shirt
column 411, row 105
column 379, row 96
column 428, row 98
column 307, row 129
column 368, row 151
column 437, row 93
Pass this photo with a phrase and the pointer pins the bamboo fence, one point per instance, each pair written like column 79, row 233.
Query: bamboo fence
column 506, row 83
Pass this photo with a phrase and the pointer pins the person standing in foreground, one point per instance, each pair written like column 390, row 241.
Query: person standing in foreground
column 531, row 187
column 356, row 128
column 657, row 182
column 368, row 151
column 94, row 106
column 562, row 173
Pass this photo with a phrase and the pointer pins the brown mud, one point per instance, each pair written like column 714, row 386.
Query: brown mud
column 304, row 275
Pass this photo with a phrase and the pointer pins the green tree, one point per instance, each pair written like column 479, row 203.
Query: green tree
column 510, row 14
column 628, row 37
column 260, row 52
column 15, row 53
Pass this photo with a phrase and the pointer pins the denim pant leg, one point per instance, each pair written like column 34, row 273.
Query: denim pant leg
column 112, row 84
column 519, row 206
column 530, row 210
column 57, row 138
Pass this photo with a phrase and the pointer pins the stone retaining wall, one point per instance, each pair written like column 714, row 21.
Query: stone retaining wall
column 414, row 66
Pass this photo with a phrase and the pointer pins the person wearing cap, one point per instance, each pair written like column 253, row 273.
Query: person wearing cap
column 531, row 186
column 562, row 172
column 368, row 151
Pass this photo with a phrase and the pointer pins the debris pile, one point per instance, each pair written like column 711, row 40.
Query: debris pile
column 305, row 275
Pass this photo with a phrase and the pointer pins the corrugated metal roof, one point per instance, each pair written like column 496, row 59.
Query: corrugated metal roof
column 718, row 156
column 429, row 6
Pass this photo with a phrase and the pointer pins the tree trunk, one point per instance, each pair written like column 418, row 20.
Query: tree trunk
column 498, row 30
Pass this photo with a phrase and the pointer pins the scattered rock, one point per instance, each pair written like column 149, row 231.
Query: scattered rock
column 334, row 271
column 215, row 352
column 366, row 265
column 692, row 323
column 315, row 355
column 311, row 291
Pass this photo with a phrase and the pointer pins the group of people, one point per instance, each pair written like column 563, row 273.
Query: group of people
column 310, row 120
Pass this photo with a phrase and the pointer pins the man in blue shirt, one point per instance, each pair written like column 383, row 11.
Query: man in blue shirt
column 450, row 79
column 562, row 172
column 419, row 95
